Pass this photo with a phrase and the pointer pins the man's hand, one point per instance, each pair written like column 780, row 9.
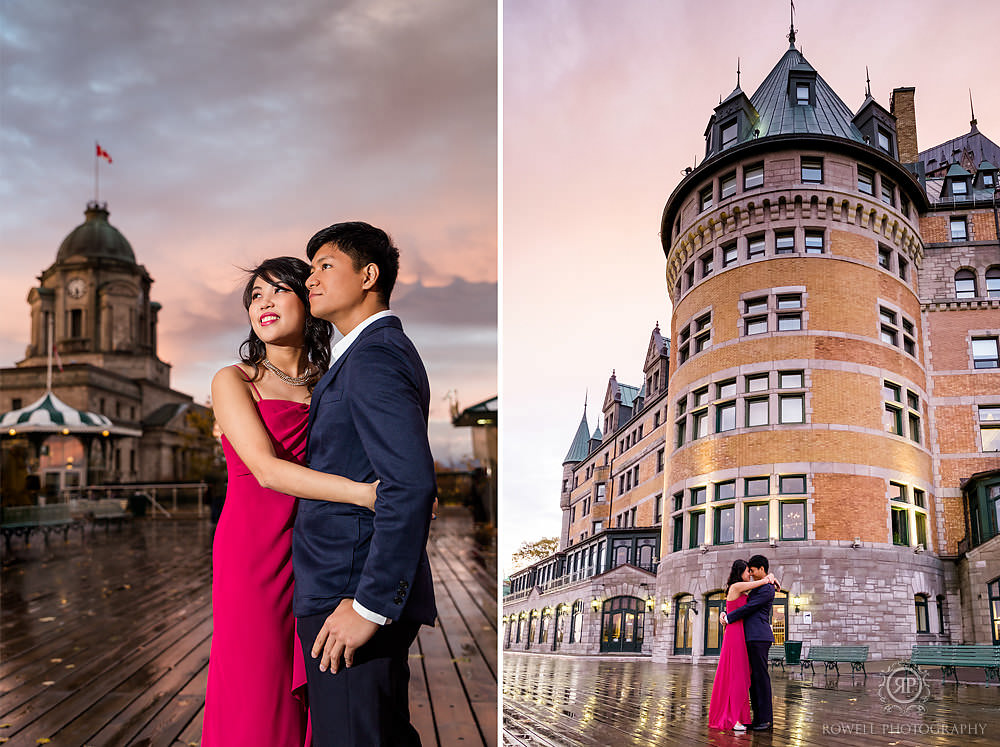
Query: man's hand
column 723, row 619
column 342, row 634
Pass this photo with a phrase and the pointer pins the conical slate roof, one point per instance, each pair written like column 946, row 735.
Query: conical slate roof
column 780, row 115
column 50, row 415
column 96, row 238
column 578, row 449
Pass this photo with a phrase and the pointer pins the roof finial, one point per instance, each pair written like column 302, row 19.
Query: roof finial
column 791, row 26
column 868, row 82
column 737, row 72
column 585, row 393
column 974, row 121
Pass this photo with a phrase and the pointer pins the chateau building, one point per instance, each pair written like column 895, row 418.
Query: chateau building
column 612, row 501
column 110, row 390
column 834, row 390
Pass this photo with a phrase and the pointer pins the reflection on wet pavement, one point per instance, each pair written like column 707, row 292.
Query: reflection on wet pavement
column 584, row 701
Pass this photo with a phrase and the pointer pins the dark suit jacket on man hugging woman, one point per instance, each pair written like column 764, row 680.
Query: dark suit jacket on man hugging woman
column 756, row 616
column 368, row 421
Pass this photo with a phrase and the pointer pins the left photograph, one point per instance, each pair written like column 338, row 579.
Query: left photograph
column 248, row 399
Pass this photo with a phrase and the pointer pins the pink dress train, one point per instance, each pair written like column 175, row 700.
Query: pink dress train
column 256, row 664
column 731, row 689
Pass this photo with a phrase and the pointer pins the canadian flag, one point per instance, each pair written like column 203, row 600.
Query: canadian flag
column 101, row 153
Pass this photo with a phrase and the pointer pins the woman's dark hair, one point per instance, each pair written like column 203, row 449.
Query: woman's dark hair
column 291, row 273
column 736, row 572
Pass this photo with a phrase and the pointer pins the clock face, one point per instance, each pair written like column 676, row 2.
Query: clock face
column 76, row 287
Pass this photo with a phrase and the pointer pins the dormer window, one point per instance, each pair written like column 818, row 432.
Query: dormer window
column 802, row 94
column 989, row 180
column 959, row 188
column 884, row 140
column 730, row 131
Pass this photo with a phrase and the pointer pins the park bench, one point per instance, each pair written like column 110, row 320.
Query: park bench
column 106, row 513
column 950, row 657
column 831, row 656
column 23, row 521
column 776, row 655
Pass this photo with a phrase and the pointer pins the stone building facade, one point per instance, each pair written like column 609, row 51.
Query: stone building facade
column 92, row 307
column 834, row 390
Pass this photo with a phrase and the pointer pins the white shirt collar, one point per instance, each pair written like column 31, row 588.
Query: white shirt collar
column 344, row 343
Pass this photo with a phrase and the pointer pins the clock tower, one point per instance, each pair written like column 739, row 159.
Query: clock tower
column 97, row 297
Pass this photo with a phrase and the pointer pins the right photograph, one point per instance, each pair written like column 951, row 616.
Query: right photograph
column 751, row 373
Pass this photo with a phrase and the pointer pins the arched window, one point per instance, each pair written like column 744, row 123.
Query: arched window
column 508, row 625
column 923, row 625
column 520, row 628
column 532, row 627
column 965, row 284
column 993, row 282
column 715, row 604
column 683, row 623
column 779, row 617
column 994, row 594
column 622, row 624
column 576, row 623
column 545, row 623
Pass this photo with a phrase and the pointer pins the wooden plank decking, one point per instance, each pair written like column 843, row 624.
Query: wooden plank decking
column 105, row 641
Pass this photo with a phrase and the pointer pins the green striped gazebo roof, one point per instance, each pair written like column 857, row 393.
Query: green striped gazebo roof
column 50, row 414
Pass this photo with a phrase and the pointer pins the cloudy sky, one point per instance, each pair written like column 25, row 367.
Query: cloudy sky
column 237, row 129
column 604, row 104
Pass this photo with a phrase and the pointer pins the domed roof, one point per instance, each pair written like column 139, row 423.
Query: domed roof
column 95, row 238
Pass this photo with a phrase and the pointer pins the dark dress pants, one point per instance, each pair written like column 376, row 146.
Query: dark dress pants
column 367, row 704
column 760, row 682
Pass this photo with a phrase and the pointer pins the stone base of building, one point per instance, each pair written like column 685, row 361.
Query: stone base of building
column 834, row 594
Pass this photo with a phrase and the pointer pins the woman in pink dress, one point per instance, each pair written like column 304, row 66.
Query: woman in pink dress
column 256, row 675
column 730, row 704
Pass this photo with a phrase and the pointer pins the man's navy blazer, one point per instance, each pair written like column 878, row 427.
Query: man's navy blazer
column 368, row 421
column 756, row 614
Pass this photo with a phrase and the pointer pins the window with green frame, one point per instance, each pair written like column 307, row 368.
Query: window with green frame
column 923, row 623
column 725, row 525
column 792, row 484
column 756, row 522
column 994, row 594
column 697, row 534
column 900, row 527
column 678, row 533
column 921, row 528
column 792, row 520
column 725, row 491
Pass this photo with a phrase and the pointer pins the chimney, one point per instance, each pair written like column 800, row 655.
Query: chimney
column 902, row 107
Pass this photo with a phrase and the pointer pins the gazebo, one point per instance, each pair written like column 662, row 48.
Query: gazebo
column 49, row 447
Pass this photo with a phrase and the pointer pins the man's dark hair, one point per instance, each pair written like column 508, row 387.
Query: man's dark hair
column 364, row 244
column 758, row 561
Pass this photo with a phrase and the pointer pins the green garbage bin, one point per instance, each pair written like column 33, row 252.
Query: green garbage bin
column 793, row 652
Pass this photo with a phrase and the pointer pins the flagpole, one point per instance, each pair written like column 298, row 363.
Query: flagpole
column 97, row 191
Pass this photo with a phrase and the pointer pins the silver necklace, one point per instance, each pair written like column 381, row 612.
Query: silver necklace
column 293, row 380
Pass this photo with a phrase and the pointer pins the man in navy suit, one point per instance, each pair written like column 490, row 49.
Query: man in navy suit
column 756, row 616
column 362, row 579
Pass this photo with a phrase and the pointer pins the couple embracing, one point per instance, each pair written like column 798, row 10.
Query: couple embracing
column 330, row 472
column 746, row 639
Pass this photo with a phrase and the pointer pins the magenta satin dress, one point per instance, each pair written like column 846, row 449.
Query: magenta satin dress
column 256, row 674
column 731, row 689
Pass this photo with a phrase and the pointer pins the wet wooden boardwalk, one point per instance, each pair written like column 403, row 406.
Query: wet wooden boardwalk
column 105, row 641
column 586, row 702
